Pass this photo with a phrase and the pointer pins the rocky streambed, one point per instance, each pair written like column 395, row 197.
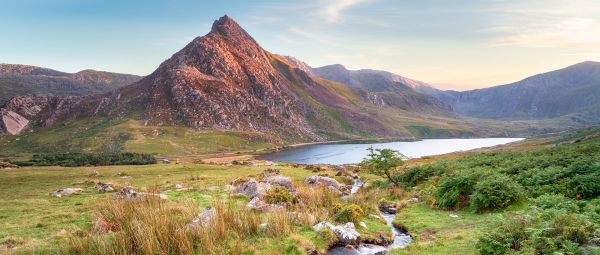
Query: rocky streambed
column 401, row 238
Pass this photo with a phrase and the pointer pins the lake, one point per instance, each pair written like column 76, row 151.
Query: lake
column 354, row 153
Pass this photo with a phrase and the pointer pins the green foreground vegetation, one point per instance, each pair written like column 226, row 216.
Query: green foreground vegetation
column 540, row 200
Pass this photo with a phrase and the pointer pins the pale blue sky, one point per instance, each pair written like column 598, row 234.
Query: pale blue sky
column 451, row 44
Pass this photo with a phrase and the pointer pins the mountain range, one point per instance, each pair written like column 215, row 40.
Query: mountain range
column 226, row 81
column 18, row 80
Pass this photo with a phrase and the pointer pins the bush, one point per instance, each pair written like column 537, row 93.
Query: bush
column 277, row 195
column 555, row 201
column 454, row 191
column 348, row 213
column 494, row 192
column 328, row 236
column 541, row 231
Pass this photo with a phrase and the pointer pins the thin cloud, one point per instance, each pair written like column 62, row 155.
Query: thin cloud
column 331, row 10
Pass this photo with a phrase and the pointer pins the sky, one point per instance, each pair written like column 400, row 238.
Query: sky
column 460, row 44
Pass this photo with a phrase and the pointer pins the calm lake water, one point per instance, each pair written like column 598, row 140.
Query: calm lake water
column 354, row 153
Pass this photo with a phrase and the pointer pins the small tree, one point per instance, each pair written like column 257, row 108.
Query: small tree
column 382, row 162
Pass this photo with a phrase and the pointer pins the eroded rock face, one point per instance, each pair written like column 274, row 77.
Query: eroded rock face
column 11, row 122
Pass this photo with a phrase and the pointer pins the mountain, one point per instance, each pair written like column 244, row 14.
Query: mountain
column 392, row 89
column 32, row 80
column 226, row 81
column 573, row 91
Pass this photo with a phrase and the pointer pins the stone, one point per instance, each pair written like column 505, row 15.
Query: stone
column 363, row 225
column 346, row 233
column 260, row 205
column 66, row 192
column 105, row 187
column 328, row 182
column 453, row 216
column 279, row 180
column 252, row 189
column 204, row 218
column 130, row 193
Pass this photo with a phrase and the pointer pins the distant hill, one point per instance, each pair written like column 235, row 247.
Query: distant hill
column 19, row 80
column 573, row 91
column 388, row 88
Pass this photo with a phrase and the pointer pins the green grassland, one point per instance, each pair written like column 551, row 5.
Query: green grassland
column 33, row 221
column 89, row 135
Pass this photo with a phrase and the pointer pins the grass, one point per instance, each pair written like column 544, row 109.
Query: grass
column 90, row 134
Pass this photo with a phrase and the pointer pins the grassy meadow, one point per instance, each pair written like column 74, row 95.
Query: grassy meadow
column 446, row 219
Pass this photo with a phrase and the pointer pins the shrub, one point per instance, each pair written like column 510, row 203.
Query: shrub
column 383, row 162
column 453, row 191
column 277, row 195
column 555, row 201
column 349, row 213
column 328, row 236
column 494, row 192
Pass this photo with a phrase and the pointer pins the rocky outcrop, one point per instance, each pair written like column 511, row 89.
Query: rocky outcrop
column 11, row 122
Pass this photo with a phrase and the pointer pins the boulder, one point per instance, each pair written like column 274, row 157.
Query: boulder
column 66, row 192
column 279, row 180
column 390, row 208
column 260, row 205
column 105, row 187
column 252, row 188
column 130, row 193
column 346, row 233
column 204, row 218
column 328, row 182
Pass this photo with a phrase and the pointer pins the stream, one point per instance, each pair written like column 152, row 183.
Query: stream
column 401, row 239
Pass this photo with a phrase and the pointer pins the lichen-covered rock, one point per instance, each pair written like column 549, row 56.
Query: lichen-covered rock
column 257, row 204
column 252, row 188
column 66, row 192
column 279, row 180
column 204, row 218
column 329, row 183
column 346, row 233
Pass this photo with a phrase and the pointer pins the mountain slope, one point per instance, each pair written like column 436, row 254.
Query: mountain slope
column 21, row 80
column 386, row 88
column 226, row 81
column 572, row 91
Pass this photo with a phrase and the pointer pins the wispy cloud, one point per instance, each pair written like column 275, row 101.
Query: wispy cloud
column 331, row 10
column 558, row 24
